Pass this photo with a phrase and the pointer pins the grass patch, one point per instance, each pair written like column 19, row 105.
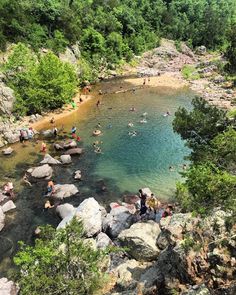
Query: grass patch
column 189, row 72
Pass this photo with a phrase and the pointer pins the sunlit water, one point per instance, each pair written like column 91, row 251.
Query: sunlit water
column 125, row 165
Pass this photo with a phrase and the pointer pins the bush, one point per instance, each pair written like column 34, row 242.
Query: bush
column 189, row 72
column 60, row 263
column 39, row 84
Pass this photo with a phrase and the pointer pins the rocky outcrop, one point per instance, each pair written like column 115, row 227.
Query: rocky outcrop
column 44, row 171
column 197, row 290
column 74, row 151
column 62, row 191
column 90, row 214
column 7, row 151
column 8, row 287
column 140, row 239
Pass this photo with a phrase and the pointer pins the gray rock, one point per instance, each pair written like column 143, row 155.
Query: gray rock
column 76, row 50
column 65, row 159
column 103, row 241
column 2, row 219
column 7, row 151
column 44, row 171
column 11, row 137
column 58, row 146
column 7, row 99
column 90, row 214
column 77, row 175
column 201, row 50
column 47, row 133
column 63, row 191
column 140, row 238
column 49, row 160
column 65, row 210
column 117, row 220
column 74, row 151
column 68, row 56
column 8, row 287
column 9, row 205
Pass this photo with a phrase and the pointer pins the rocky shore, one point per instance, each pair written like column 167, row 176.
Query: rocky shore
column 182, row 253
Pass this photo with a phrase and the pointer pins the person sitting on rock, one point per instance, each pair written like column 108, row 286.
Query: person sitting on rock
column 43, row 147
column 52, row 121
column 153, row 203
column 167, row 212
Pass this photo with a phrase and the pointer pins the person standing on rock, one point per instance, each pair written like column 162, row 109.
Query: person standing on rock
column 43, row 147
column 143, row 198
column 22, row 138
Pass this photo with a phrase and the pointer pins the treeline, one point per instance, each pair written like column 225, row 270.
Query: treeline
column 115, row 29
column 210, row 181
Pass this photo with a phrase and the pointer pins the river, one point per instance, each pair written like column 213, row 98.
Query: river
column 126, row 164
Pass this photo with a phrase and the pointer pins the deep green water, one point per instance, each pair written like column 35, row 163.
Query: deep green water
column 125, row 165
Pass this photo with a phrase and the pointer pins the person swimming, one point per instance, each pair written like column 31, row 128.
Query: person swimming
column 98, row 150
column 144, row 114
column 130, row 124
column 143, row 121
column 99, row 125
column 132, row 109
column 132, row 133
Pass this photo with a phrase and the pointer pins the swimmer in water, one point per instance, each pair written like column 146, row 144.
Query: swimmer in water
column 109, row 126
column 132, row 109
column 99, row 125
column 143, row 121
column 130, row 124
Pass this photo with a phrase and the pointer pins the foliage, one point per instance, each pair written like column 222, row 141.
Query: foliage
column 199, row 125
column 210, row 180
column 189, row 72
column 60, row 263
column 231, row 51
column 41, row 83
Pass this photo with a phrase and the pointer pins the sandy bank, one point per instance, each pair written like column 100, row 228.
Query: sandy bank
column 169, row 79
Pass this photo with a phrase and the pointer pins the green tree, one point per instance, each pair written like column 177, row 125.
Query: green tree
column 60, row 262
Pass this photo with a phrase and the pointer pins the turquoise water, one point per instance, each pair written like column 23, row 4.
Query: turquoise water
column 128, row 163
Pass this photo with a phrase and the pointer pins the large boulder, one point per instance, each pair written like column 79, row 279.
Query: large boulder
column 117, row 220
column 49, row 160
column 65, row 210
column 9, row 205
column 44, row 171
column 140, row 239
column 103, row 241
column 8, row 287
column 66, row 159
column 11, row 136
column 7, row 99
column 146, row 191
column 90, row 214
column 65, row 221
column 62, row 191
column 74, row 151
column 2, row 219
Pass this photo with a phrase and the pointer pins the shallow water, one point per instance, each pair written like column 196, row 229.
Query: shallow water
column 126, row 163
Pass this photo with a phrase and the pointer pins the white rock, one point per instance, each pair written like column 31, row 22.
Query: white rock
column 140, row 238
column 89, row 212
column 65, row 221
column 65, row 159
column 9, row 205
column 65, row 210
column 103, row 241
column 77, row 174
column 64, row 191
column 49, row 160
column 2, row 218
column 7, row 151
column 44, row 171
column 8, row 287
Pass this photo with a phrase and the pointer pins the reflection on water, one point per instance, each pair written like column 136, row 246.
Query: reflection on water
column 126, row 163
